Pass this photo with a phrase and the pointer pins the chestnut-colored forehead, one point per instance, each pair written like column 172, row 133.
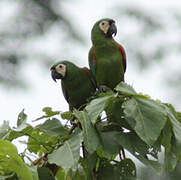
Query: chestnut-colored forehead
column 105, row 19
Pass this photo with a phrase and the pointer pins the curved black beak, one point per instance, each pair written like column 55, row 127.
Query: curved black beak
column 54, row 74
column 112, row 29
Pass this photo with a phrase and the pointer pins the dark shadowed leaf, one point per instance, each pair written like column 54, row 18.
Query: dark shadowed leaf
column 89, row 164
column 137, row 148
column 125, row 170
column 45, row 174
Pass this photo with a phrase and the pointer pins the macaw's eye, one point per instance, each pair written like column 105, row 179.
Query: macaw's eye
column 60, row 66
column 103, row 23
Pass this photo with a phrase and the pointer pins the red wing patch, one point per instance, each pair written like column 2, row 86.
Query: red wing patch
column 123, row 55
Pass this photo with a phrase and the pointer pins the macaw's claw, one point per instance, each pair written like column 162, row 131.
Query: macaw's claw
column 103, row 88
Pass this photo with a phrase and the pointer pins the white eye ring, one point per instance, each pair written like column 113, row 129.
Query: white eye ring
column 61, row 69
column 104, row 26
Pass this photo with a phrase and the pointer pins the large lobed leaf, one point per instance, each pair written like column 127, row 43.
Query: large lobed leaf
column 146, row 117
column 67, row 156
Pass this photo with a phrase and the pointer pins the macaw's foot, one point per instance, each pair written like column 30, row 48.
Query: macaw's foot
column 103, row 88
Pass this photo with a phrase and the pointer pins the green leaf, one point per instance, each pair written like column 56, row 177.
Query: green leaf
column 114, row 110
column 172, row 150
column 48, row 113
column 146, row 117
column 171, row 155
column 91, row 139
column 67, row 156
column 60, row 174
column 10, row 161
column 18, row 132
column 53, row 127
column 179, row 116
column 110, row 146
column 41, row 142
column 175, row 124
column 34, row 172
column 89, row 163
column 22, row 117
column 79, row 175
column 125, row 89
column 96, row 106
column 167, row 135
column 10, row 176
column 4, row 130
column 45, row 174
column 67, row 115
column 125, row 170
column 106, row 171
column 137, row 148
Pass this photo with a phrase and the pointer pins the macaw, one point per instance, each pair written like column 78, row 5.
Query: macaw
column 107, row 58
column 77, row 83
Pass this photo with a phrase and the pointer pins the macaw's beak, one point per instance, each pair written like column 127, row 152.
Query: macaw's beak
column 112, row 29
column 54, row 74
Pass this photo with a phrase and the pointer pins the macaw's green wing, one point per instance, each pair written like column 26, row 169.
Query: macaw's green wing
column 92, row 65
column 123, row 53
column 92, row 61
column 90, row 76
column 65, row 94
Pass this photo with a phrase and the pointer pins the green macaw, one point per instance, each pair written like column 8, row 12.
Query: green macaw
column 107, row 58
column 77, row 83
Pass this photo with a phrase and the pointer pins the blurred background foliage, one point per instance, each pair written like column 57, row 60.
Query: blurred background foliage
column 147, row 35
column 150, row 36
column 25, row 24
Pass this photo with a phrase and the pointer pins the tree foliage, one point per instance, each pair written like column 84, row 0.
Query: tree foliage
column 91, row 143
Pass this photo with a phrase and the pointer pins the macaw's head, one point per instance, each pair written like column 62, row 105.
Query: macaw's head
column 58, row 70
column 106, row 27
